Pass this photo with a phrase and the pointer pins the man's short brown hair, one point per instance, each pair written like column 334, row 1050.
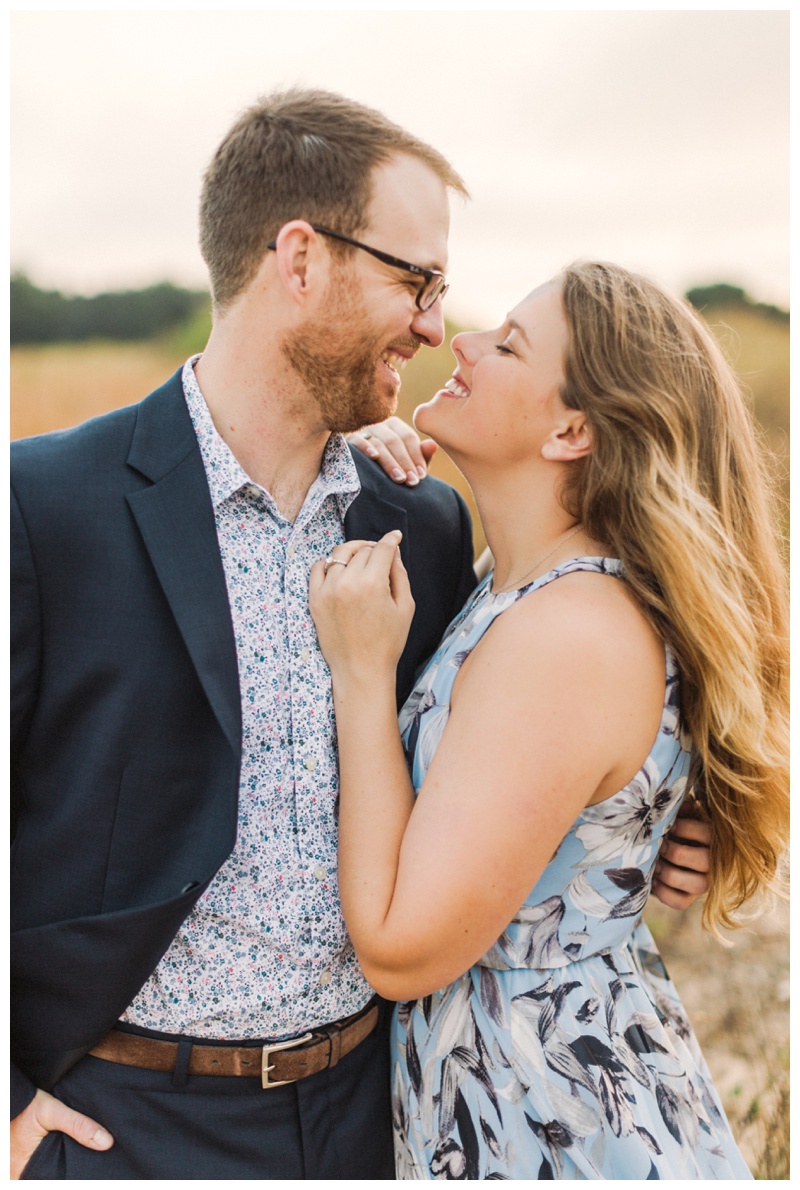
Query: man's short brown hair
column 295, row 154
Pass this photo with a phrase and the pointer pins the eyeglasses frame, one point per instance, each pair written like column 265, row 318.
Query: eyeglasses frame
column 395, row 262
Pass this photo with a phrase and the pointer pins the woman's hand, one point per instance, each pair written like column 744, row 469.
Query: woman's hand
column 361, row 603
column 396, row 447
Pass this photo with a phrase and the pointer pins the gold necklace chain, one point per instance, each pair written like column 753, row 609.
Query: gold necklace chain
column 536, row 565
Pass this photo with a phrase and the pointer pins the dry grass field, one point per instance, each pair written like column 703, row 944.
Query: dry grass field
column 61, row 385
column 737, row 997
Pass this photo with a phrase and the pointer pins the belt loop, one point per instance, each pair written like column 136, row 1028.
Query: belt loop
column 180, row 1073
column 334, row 1035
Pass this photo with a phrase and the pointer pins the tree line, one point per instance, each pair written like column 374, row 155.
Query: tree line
column 711, row 297
column 48, row 316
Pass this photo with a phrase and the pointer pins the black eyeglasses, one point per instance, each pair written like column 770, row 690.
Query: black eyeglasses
column 434, row 284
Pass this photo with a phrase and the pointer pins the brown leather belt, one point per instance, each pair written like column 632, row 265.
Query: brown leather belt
column 276, row 1063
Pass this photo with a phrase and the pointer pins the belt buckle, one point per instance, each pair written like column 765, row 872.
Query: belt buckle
column 266, row 1053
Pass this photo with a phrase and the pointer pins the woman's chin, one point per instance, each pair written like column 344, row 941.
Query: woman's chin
column 419, row 417
column 426, row 417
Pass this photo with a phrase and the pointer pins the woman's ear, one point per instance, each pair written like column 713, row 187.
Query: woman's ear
column 571, row 439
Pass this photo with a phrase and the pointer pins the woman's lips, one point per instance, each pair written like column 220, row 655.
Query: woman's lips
column 456, row 387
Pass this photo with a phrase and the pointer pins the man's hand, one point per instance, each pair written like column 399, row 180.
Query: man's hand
column 46, row 1114
column 397, row 448
column 681, row 874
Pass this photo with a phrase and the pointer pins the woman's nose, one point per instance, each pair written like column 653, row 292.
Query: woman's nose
column 466, row 346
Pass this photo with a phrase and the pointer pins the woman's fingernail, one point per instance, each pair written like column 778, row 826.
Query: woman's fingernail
column 413, row 478
column 372, row 452
column 421, row 472
column 398, row 474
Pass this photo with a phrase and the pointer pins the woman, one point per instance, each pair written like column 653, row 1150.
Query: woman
column 628, row 647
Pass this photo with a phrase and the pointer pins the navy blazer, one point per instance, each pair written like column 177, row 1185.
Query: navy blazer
column 126, row 731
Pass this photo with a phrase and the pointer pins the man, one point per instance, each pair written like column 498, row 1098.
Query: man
column 186, row 1001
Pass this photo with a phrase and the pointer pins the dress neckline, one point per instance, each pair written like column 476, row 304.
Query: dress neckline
column 602, row 563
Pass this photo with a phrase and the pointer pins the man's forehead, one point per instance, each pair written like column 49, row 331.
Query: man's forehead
column 409, row 210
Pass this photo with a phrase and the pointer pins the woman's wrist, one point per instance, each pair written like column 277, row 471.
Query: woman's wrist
column 364, row 681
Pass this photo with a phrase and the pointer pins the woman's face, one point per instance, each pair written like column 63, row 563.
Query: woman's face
column 503, row 397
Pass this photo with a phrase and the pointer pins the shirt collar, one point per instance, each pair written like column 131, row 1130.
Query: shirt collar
column 337, row 477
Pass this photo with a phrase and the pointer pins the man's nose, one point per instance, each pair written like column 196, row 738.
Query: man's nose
column 428, row 325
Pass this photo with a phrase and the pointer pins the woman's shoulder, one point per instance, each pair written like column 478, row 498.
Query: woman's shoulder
column 580, row 616
column 592, row 590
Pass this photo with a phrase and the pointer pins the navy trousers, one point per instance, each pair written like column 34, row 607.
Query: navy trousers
column 334, row 1125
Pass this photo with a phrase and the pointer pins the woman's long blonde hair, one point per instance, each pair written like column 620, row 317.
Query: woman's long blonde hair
column 676, row 486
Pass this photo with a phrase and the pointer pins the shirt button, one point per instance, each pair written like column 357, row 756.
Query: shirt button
column 321, row 872
column 304, row 656
column 310, row 763
column 325, row 978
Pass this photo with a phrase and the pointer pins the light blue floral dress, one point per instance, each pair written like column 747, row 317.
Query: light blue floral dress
column 565, row 1051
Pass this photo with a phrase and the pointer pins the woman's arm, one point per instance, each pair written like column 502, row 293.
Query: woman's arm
column 551, row 712
column 682, row 874
column 362, row 611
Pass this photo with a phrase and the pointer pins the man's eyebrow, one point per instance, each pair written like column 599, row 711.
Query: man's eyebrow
column 515, row 326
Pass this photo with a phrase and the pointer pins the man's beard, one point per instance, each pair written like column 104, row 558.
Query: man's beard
column 338, row 366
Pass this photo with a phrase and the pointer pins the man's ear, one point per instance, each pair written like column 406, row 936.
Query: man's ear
column 571, row 439
column 300, row 257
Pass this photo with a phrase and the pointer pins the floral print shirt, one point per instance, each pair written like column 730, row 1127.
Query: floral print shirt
column 264, row 952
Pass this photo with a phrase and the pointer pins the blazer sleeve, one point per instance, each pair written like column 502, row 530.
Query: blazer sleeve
column 467, row 578
column 25, row 652
column 25, row 631
column 22, row 1091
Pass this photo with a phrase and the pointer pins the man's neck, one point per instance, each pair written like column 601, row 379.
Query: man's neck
column 264, row 419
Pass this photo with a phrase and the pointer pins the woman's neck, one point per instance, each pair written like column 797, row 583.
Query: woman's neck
column 525, row 525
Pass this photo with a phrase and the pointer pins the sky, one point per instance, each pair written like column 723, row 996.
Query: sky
column 657, row 138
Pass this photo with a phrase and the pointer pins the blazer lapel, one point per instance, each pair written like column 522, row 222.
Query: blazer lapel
column 370, row 516
column 176, row 521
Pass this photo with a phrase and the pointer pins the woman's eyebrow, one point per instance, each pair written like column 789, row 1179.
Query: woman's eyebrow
column 515, row 326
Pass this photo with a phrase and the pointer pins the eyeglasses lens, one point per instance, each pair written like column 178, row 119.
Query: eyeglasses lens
column 436, row 288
